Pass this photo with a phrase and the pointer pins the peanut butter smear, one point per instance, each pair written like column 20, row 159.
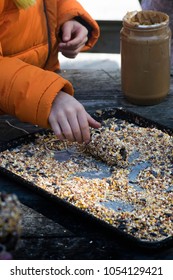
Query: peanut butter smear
column 144, row 18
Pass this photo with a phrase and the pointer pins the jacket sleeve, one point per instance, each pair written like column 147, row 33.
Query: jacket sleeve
column 70, row 9
column 27, row 91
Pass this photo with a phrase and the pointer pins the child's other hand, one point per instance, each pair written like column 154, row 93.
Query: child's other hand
column 74, row 38
column 69, row 120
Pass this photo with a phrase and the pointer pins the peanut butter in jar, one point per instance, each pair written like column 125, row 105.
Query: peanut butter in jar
column 145, row 57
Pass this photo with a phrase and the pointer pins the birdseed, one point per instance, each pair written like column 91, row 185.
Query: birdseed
column 123, row 177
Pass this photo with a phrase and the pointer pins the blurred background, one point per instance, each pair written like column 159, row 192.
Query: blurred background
column 106, row 53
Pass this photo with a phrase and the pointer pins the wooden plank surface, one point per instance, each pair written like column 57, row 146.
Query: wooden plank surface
column 51, row 231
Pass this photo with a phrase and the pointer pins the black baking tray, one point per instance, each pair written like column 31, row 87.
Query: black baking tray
column 119, row 113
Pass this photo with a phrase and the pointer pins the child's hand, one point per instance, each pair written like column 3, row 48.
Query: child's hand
column 69, row 120
column 74, row 38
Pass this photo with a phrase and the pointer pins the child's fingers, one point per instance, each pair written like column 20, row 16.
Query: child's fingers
column 66, row 32
column 66, row 129
column 84, row 126
column 92, row 122
column 74, row 123
column 74, row 43
column 71, row 53
column 57, row 130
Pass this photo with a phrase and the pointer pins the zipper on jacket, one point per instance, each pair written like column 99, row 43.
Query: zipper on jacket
column 48, row 33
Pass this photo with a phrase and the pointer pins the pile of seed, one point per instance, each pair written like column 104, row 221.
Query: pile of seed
column 10, row 218
column 135, row 197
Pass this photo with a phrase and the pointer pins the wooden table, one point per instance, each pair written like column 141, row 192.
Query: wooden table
column 49, row 230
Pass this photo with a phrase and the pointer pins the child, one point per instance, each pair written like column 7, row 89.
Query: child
column 32, row 32
column 165, row 6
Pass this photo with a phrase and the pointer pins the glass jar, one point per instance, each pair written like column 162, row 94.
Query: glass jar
column 145, row 57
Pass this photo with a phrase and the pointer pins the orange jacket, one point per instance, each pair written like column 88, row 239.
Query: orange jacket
column 28, row 56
